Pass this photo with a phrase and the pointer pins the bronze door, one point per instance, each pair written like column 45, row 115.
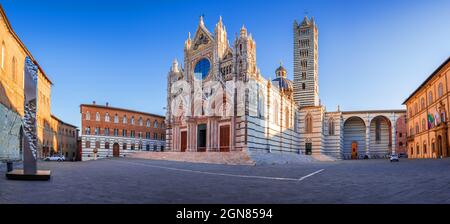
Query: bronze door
column 225, row 138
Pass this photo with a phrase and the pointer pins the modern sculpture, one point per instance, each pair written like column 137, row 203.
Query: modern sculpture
column 29, row 171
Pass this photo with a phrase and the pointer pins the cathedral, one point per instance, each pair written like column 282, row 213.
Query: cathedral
column 219, row 101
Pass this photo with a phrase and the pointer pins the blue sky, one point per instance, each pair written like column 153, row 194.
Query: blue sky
column 372, row 53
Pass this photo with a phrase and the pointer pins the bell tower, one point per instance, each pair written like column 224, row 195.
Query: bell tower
column 306, row 69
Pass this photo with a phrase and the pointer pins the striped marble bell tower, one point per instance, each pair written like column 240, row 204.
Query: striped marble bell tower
column 306, row 79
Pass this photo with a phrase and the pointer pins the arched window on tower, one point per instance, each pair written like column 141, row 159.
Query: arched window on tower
column 331, row 126
column 303, row 86
column 308, row 124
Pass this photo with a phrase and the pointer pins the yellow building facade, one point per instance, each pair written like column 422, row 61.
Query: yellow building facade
column 12, row 59
column 427, row 116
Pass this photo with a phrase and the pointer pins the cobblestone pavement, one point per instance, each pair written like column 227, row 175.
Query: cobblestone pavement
column 148, row 181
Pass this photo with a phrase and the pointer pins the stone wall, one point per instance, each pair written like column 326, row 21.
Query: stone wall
column 10, row 123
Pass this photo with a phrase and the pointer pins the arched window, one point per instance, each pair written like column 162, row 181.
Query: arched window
column 260, row 101
column 88, row 144
column 276, row 119
column 308, row 124
column 88, row 116
column 288, row 119
column 124, row 119
column 3, row 54
column 163, row 125
column 140, row 121
column 440, row 90
column 106, row 145
column 416, row 108
column 97, row 116
column 417, row 149
column 430, row 98
column 132, row 120
column 378, row 130
column 422, row 103
column 14, row 69
column 107, row 117
column 303, row 86
column 331, row 127
column 424, row 147
column 424, row 127
column 155, row 124
column 417, row 128
column 116, row 118
column 148, row 123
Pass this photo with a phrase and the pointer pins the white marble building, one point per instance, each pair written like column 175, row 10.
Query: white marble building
column 283, row 116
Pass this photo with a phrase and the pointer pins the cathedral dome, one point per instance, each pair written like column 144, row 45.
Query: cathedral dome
column 283, row 84
column 281, row 81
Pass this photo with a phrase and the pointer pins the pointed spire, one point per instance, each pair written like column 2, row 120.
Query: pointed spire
column 201, row 23
column 174, row 66
column 187, row 43
column 305, row 21
column 243, row 30
column 220, row 19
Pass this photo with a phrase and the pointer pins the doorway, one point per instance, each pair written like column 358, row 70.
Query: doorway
column 183, row 141
column 116, row 150
column 201, row 138
column 354, row 150
column 225, row 138
column 308, row 148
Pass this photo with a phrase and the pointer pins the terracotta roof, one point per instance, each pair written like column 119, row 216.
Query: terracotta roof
column 8, row 24
column 62, row 122
column 121, row 109
column 428, row 79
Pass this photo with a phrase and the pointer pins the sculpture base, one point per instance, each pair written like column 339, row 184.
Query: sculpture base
column 41, row 175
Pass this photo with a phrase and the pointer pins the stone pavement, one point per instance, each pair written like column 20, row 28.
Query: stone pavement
column 127, row 180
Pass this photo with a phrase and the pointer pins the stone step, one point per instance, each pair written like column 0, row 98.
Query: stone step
column 229, row 158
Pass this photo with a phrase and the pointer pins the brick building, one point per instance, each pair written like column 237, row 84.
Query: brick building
column 113, row 132
column 427, row 115
column 13, row 53
column 65, row 140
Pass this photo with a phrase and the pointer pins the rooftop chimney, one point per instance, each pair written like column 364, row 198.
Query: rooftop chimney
column 93, row 102
column 107, row 104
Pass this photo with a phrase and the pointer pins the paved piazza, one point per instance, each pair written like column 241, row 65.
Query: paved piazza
column 149, row 181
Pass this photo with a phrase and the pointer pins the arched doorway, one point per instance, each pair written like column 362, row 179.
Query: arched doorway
column 380, row 136
column 439, row 146
column 116, row 150
column 354, row 137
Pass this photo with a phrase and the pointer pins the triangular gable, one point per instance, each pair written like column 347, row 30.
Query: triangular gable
column 202, row 36
column 228, row 54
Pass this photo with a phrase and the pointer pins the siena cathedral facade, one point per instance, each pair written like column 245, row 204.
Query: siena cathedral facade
column 219, row 101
